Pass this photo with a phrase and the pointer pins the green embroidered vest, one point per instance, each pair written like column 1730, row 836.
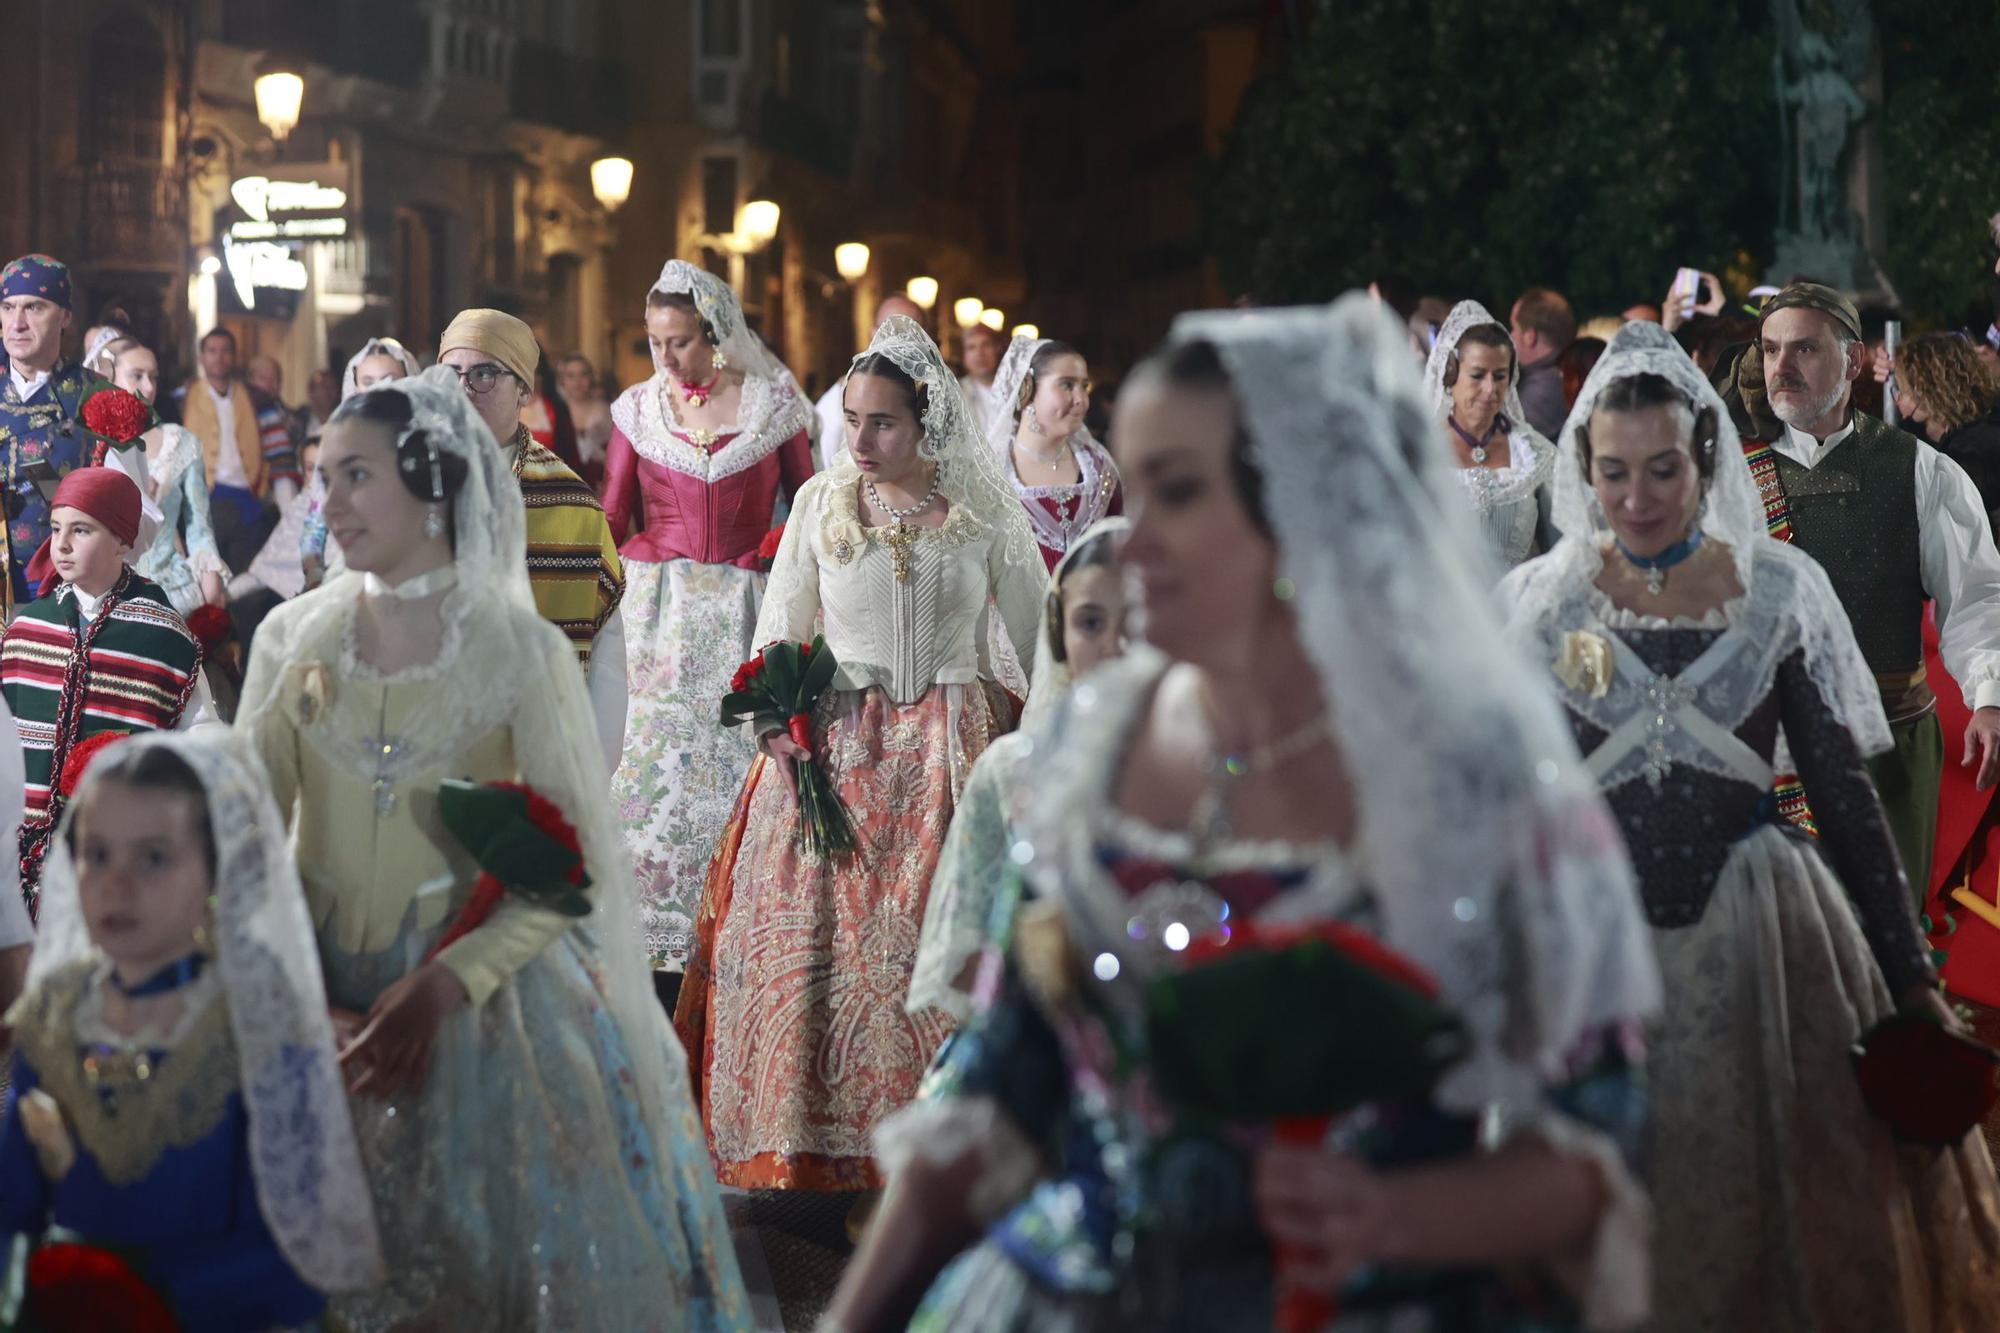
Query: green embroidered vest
column 1856, row 513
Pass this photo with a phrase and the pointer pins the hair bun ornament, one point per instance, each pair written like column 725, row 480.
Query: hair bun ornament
column 81, row 756
column 116, row 414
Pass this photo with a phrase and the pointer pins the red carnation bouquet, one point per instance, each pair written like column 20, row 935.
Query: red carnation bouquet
column 117, row 417
column 1227, row 1041
column 521, row 842
column 62, row 1286
column 210, row 624
column 767, row 549
column 776, row 691
column 81, row 756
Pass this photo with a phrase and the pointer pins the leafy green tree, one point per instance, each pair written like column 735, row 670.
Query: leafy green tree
column 1592, row 145
column 1941, row 137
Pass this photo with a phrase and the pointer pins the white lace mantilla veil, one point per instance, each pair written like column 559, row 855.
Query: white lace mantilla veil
column 1491, row 856
column 1052, row 678
column 311, row 1188
column 490, row 522
column 773, row 407
column 1788, row 603
column 1466, row 315
column 389, row 347
column 969, row 473
column 1007, row 382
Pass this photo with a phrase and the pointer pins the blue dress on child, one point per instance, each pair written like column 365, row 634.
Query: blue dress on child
column 162, row 1169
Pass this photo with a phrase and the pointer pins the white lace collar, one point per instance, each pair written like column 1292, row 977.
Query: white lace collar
column 769, row 412
column 1530, row 463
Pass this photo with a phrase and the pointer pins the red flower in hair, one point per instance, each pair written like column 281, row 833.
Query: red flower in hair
column 117, row 415
column 72, row 1288
column 210, row 624
column 767, row 550
column 80, row 756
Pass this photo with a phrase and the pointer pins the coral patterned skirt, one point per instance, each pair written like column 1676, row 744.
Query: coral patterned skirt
column 792, row 1012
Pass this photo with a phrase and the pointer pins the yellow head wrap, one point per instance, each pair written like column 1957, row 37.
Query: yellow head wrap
column 497, row 334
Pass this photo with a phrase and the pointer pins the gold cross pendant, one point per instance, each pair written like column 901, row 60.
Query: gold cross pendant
column 901, row 539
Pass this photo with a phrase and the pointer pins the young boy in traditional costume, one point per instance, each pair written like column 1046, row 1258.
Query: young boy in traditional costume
column 103, row 652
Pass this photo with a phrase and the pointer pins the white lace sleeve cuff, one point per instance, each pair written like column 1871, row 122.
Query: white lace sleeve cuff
column 1610, row 1275
column 205, row 559
column 946, row 1130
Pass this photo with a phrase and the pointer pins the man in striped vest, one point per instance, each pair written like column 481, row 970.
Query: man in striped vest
column 105, row 652
column 573, row 561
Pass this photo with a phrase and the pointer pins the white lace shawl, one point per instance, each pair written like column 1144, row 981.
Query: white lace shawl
column 1542, row 594
column 1551, row 611
column 311, row 1188
column 1530, row 457
column 773, row 407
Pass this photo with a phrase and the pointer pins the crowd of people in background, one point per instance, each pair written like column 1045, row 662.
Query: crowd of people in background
column 1553, row 747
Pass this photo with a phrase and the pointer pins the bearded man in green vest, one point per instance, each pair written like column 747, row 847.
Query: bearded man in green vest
column 1893, row 522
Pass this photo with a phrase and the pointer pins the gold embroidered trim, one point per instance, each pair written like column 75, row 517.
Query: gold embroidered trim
column 177, row 1105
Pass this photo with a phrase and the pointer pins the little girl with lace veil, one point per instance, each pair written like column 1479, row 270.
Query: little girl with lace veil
column 700, row 456
column 522, row 1106
column 1083, row 627
column 793, row 1008
column 1679, row 638
column 1065, row 478
column 1505, row 468
column 1325, row 729
column 176, row 1093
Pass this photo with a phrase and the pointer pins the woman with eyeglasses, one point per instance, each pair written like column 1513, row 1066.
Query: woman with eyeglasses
column 1064, row 476
column 699, row 456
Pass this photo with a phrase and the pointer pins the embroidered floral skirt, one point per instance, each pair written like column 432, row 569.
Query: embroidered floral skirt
column 526, row 1188
column 1779, row 1201
column 688, row 626
column 793, row 1009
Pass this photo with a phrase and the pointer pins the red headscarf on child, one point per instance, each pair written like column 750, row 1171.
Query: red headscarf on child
column 104, row 493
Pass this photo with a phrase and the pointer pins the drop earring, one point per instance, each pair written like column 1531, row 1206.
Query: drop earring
column 720, row 360
column 434, row 524
column 1034, row 421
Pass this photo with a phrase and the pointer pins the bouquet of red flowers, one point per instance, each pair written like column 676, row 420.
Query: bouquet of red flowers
column 117, row 417
column 1227, row 1040
column 767, row 549
column 521, row 842
column 62, row 1286
column 776, row 690
column 1928, row 1084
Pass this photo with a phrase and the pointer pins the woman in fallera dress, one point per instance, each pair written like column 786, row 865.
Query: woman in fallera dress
column 1065, row 478
column 700, row 454
column 1679, row 638
column 522, row 1107
column 793, row 1008
column 1327, row 693
column 1083, row 627
column 1505, row 468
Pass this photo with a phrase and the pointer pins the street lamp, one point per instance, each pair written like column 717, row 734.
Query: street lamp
column 993, row 318
column 1029, row 331
column 280, row 95
column 851, row 260
column 966, row 310
column 757, row 223
column 924, row 291
column 611, row 181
